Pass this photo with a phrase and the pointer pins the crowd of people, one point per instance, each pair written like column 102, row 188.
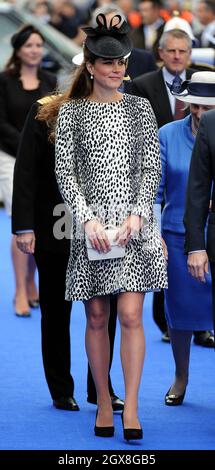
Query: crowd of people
column 95, row 153
column 146, row 18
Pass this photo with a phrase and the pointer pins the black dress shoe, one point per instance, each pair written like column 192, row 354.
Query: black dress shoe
column 131, row 433
column 34, row 303
column 103, row 431
column 204, row 338
column 165, row 337
column 117, row 403
column 174, row 400
column 66, row 403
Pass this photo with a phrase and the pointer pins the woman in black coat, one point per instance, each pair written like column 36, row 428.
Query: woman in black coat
column 21, row 84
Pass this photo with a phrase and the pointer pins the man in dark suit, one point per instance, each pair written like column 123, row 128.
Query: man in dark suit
column 205, row 13
column 140, row 62
column 175, row 50
column 148, row 34
column 201, row 184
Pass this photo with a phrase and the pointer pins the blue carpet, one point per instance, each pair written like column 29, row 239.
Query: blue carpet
column 28, row 419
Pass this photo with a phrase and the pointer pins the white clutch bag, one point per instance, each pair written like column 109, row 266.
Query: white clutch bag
column 115, row 252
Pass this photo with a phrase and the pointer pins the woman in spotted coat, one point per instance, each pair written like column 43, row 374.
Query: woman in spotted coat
column 108, row 170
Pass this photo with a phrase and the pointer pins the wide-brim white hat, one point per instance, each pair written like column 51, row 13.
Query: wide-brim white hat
column 200, row 89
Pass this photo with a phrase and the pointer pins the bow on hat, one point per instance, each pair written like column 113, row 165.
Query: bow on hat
column 200, row 88
column 103, row 30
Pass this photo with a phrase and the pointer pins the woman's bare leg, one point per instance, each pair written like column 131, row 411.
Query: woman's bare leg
column 98, row 352
column 180, row 342
column 130, row 305
column 20, row 265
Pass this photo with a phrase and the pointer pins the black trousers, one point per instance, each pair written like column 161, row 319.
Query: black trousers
column 158, row 311
column 55, row 326
column 158, row 306
column 212, row 265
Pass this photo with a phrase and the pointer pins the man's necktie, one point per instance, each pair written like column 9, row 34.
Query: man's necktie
column 179, row 105
column 179, row 110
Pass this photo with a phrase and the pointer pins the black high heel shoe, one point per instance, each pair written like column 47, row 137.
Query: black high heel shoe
column 102, row 431
column 174, row 400
column 131, row 433
column 34, row 303
column 20, row 313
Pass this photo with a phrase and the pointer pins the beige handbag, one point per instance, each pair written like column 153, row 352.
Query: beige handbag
column 115, row 252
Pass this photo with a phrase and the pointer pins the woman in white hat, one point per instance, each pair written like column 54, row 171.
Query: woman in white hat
column 188, row 305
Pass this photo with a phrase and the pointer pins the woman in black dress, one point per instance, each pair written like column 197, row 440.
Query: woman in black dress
column 21, row 84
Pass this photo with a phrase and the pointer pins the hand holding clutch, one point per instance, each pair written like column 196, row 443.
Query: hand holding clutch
column 101, row 244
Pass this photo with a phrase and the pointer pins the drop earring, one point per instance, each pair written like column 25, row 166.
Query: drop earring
column 91, row 76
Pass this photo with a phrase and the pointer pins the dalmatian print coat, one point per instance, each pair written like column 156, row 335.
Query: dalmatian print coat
column 107, row 167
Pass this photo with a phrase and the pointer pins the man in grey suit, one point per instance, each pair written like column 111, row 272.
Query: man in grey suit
column 201, row 184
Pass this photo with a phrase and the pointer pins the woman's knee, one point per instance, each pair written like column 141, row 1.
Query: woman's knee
column 97, row 319
column 130, row 319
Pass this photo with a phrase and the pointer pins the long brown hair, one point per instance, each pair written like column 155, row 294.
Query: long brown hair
column 81, row 87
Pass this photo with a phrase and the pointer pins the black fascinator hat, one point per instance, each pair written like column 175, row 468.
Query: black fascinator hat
column 108, row 42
